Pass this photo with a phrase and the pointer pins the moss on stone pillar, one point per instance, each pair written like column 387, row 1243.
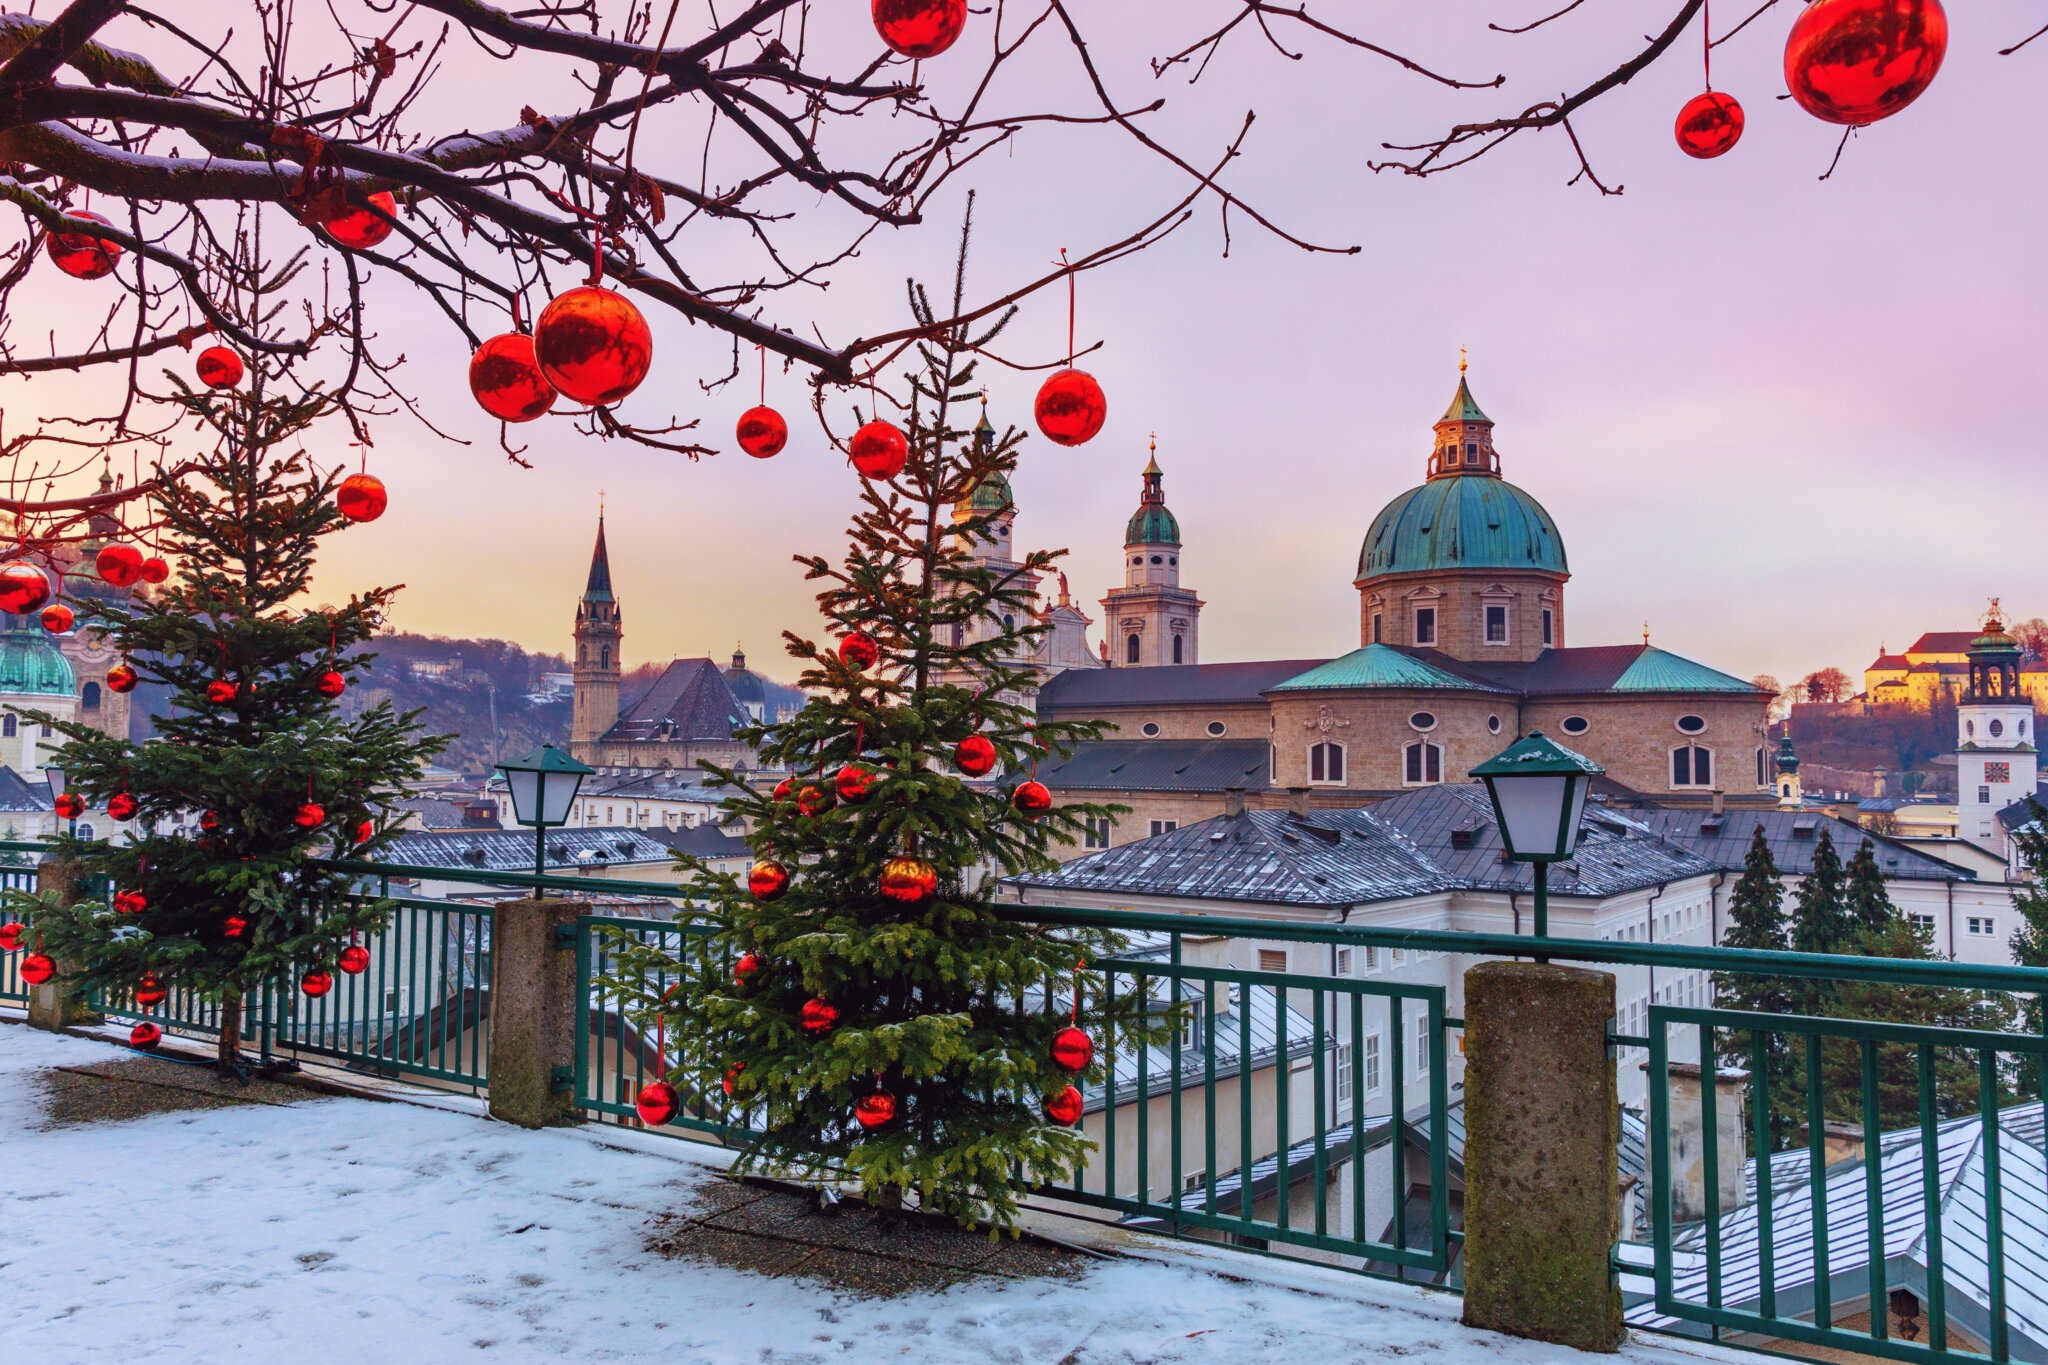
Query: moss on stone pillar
column 532, row 1012
column 55, row 1005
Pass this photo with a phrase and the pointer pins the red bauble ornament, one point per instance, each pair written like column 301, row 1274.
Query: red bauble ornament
column 855, row 783
column 746, row 968
column 1064, row 1108
column 819, row 1018
column 145, row 1035
column 354, row 959
column 976, row 756
column 732, row 1073
column 859, row 651
column 122, row 678
column 70, row 805
column 130, row 902
column 309, row 816
column 767, row 880
column 762, row 432
column 118, row 565
column 331, row 684
column 57, row 618
column 23, row 588
column 1709, row 125
column 920, row 28
column 875, row 1108
column 1031, row 799
column 37, row 968
column 316, row 983
column 878, row 450
column 1072, row 1049
column 1071, row 408
column 208, row 821
column 361, row 497
column 593, row 345
column 121, row 805
column 81, row 255
column 220, row 691
column 366, row 831
column 911, row 881
column 10, row 937
column 1857, row 61
column 155, row 570
column 507, row 381
column 784, row 790
column 360, row 228
column 233, row 926
column 149, row 990
column 815, row 800
column 218, row 368
column 657, row 1103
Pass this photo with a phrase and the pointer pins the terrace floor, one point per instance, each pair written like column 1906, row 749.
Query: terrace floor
column 143, row 1217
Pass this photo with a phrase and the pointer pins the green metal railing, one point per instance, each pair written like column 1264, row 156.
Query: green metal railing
column 17, row 873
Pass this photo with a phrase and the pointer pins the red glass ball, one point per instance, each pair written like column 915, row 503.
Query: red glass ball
column 361, row 497
column 784, row 790
column 859, row 651
column 1857, row 61
column 815, row 800
column 874, row 1109
column 593, row 345
column 1071, row 408
column 976, row 756
column 23, row 588
column 233, row 926
column 10, row 937
column 746, row 968
column 208, row 821
column 1064, row 1108
column 118, row 565
column 878, row 450
column 767, row 880
column 121, row 805
column 149, row 990
column 354, row 959
column 220, row 691
column 732, row 1073
column 122, row 678
column 360, row 228
column 920, row 28
column 130, row 902
column 855, row 782
column 1709, row 125
column 82, row 255
column 331, row 684
column 762, row 432
column 911, row 881
column 819, row 1018
column 1031, row 799
column 309, row 816
column 70, row 805
column 155, row 570
column 37, row 968
column 316, row 983
column 218, row 368
column 145, row 1035
column 657, row 1103
column 1072, row 1049
column 507, row 381
column 366, row 831
column 57, row 618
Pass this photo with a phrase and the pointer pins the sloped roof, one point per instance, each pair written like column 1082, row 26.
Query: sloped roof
column 1463, row 408
column 17, row 793
column 690, row 693
column 1384, row 666
column 705, row 841
column 1605, row 668
column 1728, row 845
column 1162, row 765
column 1162, row 684
column 511, row 850
column 1891, row 661
column 1943, row 642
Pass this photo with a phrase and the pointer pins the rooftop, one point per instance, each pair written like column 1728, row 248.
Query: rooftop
column 690, row 700
column 1792, row 835
column 1168, row 684
column 511, row 850
column 1164, row 765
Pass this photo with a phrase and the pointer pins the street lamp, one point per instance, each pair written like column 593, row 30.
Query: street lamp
column 1539, row 792
column 543, row 784
column 55, row 777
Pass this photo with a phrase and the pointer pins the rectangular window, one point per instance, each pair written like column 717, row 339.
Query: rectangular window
column 1343, row 1059
column 1414, row 773
column 1702, row 767
column 1681, row 767
column 1372, row 960
column 1496, row 625
column 1983, row 926
column 1095, row 832
column 1160, row 827
column 1425, row 625
column 1433, row 762
column 1983, row 796
column 1546, row 625
column 1343, row 962
column 1272, row 959
column 1422, row 1044
column 1315, row 763
column 1326, row 763
column 1372, row 1064
column 1923, row 922
column 1376, row 632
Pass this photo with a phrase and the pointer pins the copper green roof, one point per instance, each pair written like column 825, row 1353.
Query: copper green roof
column 1465, row 521
column 1152, row 524
column 991, row 494
column 1381, row 666
column 31, row 664
column 1656, row 670
column 1994, row 642
column 1463, row 408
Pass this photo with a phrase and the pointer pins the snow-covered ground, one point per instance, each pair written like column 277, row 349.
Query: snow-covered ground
column 342, row 1229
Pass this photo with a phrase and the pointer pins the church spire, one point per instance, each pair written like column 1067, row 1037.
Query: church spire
column 1464, row 435
column 599, row 588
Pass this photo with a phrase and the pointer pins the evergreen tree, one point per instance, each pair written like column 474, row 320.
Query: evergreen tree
column 878, row 865
column 253, row 740
column 1865, row 902
column 2030, row 940
column 1820, row 921
column 1756, row 920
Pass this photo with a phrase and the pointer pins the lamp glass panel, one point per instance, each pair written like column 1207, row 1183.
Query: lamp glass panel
column 1530, row 809
column 55, row 777
column 1580, row 786
column 525, row 806
column 556, row 794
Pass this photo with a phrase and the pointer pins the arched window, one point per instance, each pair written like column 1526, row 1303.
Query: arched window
column 604, row 656
column 1176, row 649
column 1131, row 650
column 10, row 726
column 89, row 698
column 1326, row 762
column 1009, row 622
column 1692, row 766
column 1422, row 764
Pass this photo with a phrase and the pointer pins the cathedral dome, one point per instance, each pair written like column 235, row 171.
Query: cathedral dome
column 32, row 665
column 1152, row 524
column 1467, row 521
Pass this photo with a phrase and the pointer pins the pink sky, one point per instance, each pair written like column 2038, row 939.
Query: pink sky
column 1782, row 420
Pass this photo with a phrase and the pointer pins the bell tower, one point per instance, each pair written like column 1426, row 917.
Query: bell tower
column 598, row 632
column 1152, row 619
column 1995, row 757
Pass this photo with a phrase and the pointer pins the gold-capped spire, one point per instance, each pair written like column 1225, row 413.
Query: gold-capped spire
column 1461, row 360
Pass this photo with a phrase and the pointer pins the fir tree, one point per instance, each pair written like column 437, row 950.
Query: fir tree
column 2030, row 940
column 1820, row 921
column 274, row 771
column 1756, row 920
column 1865, row 902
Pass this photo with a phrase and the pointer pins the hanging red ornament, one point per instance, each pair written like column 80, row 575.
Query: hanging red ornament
column 220, row 691
column 507, row 381
column 354, row 959
column 875, row 1108
column 121, row 805
column 359, row 228
column 218, row 368
column 657, row 1103
column 366, row 831
column 920, row 28
column 37, row 968
column 309, row 816
column 145, row 1035
column 155, row 570
column 1709, row 125
column 878, row 450
column 1072, row 1049
column 70, row 805
column 593, row 345
column 976, row 756
column 316, row 983
column 361, row 497
column 57, row 619
column 122, row 678
column 10, row 937
column 118, row 565
column 819, row 1018
column 331, row 684
column 81, row 255
column 1071, row 408
column 233, row 926
column 208, row 821
column 859, row 651
column 746, row 968
column 815, row 800
column 23, row 588
column 149, row 990
column 762, row 432
column 1857, row 61
column 130, row 902
column 1064, row 1108
column 732, row 1073
column 855, row 783
column 767, row 880
column 1031, row 799
column 911, row 881
column 784, row 790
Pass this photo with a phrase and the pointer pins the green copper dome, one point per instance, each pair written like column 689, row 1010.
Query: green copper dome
column 1462, row 521
column 1152, row 524
column 992, row 494
column 31, row 664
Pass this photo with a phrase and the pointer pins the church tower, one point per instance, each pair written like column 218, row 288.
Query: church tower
column 1790, row 793
column 1152, row 619
column 598, row 630
column 1995, row 756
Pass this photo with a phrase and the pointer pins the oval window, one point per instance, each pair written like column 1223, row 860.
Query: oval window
column 1969, row 727
column 1156, row 559
column 1997, row 728
column 1150, row 729
column 1422, row 720
column 1493, row 725
column 1215, row 727
column 1692, row 725
column 1576, row 725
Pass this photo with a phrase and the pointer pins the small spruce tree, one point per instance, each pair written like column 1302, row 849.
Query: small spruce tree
column 1865, row 902
column 2030, row 940
column 1756, row 920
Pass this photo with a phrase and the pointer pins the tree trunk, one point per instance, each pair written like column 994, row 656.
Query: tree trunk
column 229, row 1053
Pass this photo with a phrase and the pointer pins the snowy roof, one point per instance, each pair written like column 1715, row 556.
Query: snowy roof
column 511, row 850
column 1151, row 765
column 1723, row 839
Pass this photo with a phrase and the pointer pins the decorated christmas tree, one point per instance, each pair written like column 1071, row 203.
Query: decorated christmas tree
column 864, row 1003
column 254, row 767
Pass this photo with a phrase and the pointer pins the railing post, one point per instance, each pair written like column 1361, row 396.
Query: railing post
column 55, row 1005
column 533, row 1012
column 1542, row 1195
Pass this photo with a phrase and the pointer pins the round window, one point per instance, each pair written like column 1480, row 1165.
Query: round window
column 1493, row 725
column 1216, row 727
column 1997, row 728
column 1149, row 729
column 1422, row 720
column 1137, row 559
column 1692, row 725
column 1576, row 725
column 1156, row 559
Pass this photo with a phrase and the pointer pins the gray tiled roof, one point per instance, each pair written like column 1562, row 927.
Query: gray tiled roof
column 1162, row 765
column 705, row 841
column 1094, row 688
column 17, row 793
column 690, row 700
column 511, row 850
column 1724, row 841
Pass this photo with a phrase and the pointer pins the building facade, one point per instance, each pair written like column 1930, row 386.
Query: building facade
column 1995, row 755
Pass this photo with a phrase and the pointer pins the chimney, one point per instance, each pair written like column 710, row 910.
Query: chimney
column 1720, row 801
column 1688, row 1142
column 1233, row 801
column 1297, row 801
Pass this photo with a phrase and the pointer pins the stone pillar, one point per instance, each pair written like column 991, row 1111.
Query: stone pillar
column 1542, row 1200
column 532, row 1011
column 53, row 1005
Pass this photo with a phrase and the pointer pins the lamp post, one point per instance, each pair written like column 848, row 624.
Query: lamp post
column 1538, row 789
column 543, row 785
column 55, row 777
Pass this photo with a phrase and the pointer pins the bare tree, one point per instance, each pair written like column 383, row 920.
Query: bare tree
column 1826, row 684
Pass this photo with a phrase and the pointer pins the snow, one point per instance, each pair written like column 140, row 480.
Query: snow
column 394, row 1232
